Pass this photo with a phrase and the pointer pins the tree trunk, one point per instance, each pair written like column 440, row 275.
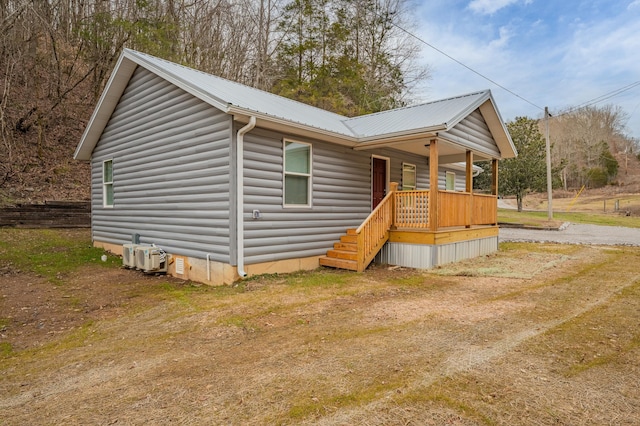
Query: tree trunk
column 519, row 200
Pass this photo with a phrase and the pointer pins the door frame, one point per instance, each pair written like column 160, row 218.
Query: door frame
column 387, row 173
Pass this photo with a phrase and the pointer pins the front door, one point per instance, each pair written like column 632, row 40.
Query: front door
column 379, row 185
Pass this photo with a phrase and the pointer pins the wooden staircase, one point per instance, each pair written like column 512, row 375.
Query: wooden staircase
column 344, row 254
column 359, row 246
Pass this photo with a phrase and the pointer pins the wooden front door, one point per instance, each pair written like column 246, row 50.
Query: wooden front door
column 379, row 181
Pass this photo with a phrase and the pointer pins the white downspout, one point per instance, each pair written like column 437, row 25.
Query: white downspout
column 240, row 193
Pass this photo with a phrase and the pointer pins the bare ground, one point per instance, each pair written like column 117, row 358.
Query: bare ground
column 536, row 334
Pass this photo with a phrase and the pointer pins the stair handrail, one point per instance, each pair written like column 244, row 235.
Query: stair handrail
column 374, row 231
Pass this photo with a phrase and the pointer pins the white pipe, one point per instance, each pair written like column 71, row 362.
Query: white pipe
column 208, row 267
column 240, row 193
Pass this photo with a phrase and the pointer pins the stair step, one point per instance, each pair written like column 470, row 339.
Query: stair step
column 345, row 246
column 349, row 239
column 343, row 254
column 351, row 231
column 351, row 265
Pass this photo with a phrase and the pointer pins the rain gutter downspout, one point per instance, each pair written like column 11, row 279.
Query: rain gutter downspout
column 240, row 194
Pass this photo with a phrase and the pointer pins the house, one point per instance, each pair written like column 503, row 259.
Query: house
column 232, row 181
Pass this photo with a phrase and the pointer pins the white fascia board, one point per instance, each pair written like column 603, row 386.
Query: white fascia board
column 398, row 137
column 498, row 129
column 111, row 94
column 179, row 82
column 285, row 126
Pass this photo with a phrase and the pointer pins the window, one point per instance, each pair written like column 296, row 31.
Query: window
column 297, row 174
column 450, row 181
column 408, row 176
column 107, row 183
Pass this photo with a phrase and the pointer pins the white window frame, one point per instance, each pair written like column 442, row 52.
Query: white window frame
column 285, row 173
column 446, row 181
column 415, row 176
column 107, row 185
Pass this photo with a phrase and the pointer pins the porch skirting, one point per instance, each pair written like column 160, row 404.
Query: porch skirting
column 425, row 256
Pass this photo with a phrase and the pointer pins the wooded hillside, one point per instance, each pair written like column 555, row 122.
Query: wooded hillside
column 348, row 56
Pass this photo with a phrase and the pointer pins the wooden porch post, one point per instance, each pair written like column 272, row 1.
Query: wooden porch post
column 469, row 187
column 393, row 188
column 433, row 185
column 494, row 185
column 494, row 177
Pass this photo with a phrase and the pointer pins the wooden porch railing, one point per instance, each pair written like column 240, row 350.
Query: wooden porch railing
column 410, row 209
column 454, row 208
column 484, row 209
column 374, row 231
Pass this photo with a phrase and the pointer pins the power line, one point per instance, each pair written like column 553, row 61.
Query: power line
column 600, row 98
column 466, row 66
column 590, row 102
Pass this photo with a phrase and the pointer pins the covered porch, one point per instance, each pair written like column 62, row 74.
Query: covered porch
column 430, row 218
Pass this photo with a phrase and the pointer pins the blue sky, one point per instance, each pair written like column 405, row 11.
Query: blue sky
column 555, row 53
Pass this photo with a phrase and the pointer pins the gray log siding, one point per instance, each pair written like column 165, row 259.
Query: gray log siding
column 171, row 167
column 474, row 132
column 341, row 196
column 173, row 163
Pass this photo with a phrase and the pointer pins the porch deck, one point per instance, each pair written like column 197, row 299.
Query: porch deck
column 431, row 217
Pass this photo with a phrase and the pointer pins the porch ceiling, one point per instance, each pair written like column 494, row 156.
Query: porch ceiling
column 448, row 152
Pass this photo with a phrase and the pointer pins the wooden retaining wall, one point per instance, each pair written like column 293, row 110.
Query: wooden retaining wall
column 51, row 214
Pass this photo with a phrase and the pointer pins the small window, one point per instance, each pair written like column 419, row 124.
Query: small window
column 450, row 181
column 107, row 183
column 408, row 177
column 297, row 174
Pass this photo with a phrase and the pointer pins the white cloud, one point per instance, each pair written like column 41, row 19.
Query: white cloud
column 501, row 42
column 489, row 7
column 633, row 4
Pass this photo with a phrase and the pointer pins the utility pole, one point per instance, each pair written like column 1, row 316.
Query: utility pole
column 548, row 146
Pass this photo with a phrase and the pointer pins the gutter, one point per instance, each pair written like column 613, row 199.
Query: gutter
column 240, row 193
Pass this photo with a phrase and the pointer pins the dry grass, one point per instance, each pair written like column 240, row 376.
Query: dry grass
column 544, row 334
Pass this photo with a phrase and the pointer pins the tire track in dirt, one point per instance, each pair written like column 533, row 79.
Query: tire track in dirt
column 474, row 357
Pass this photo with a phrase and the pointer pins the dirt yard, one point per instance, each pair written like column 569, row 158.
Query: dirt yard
column 538, row 334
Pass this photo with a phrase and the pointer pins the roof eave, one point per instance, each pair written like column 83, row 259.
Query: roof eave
column 398, row 137
column 111, row 94
column 275, row 123
column 498, row 128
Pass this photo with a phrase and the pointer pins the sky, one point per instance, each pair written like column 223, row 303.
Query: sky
column 555, row 53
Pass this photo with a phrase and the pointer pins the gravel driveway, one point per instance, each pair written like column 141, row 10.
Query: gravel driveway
column 576, row 234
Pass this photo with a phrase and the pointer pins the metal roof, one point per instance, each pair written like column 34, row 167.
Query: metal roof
column 238, row 99
column 438, row 115
column 229, row 93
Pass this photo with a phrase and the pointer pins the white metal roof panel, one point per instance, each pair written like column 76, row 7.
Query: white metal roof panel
column 236, row 98
column 442, row 114
column 247, row 98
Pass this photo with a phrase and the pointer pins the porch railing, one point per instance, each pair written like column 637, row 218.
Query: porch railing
column 374, row 231
column 485, row 209
column 410, row 209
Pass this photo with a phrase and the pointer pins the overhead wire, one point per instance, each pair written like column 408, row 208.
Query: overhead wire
column 590, row 102
column 466, row 66
column 600, row 98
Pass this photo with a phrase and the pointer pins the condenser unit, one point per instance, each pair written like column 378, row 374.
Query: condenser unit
column 129, row 255
column 150, row 259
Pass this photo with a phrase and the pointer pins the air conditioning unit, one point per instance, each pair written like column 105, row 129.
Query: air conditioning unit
column 129, row 255
column 150, row 259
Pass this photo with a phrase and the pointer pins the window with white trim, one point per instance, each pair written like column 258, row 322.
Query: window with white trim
column 107, row 183
column 297, row 174
column 408, row 177
column 450, row 181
